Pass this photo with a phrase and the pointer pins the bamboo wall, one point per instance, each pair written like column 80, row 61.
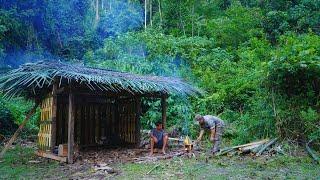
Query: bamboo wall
column 44, row 135
column 100, row 121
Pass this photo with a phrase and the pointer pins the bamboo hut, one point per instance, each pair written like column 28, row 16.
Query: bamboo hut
column 87, row 106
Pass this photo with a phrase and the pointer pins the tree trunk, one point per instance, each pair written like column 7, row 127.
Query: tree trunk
column 160, row 14
column 192, row 20
column 145, row 14
column 150, row 5
column 102, row 4
column 97, row 12
column 180, row 17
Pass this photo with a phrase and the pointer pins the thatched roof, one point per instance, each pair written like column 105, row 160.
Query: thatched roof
column 33, row 77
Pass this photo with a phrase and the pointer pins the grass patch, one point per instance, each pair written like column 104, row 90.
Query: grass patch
column 16, row 164
column 280, row 167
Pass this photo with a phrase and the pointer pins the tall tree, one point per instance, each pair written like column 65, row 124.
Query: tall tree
column 145, row 14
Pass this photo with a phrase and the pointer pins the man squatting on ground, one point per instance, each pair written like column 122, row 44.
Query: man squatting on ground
column 158, row 138
column 215, row 125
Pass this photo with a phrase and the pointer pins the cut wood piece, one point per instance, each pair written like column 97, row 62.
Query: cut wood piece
column 249, row 148
column 270, row 143
column 51, row 156
column 63, row 150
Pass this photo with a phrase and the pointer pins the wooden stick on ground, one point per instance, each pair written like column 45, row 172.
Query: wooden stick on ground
column 15, row 135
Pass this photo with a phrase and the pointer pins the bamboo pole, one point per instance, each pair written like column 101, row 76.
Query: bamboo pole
column 250, row 144
column 164, row 111
column 70, row 128
column 54, row 117
column 15, row 135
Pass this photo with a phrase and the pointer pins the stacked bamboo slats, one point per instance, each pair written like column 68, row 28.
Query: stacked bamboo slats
column 44, row 135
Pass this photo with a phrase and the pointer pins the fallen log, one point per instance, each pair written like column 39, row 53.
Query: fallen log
column 249, row 148
column 15, row 135
column 249, row 144
column 311, row 153
column 264, row 147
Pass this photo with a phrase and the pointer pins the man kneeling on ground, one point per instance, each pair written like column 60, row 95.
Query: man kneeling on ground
column 158, row 138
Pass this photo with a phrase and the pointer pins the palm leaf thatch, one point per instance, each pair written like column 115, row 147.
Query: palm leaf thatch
column 33, row 77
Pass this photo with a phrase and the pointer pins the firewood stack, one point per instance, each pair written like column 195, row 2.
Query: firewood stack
column 254, row 148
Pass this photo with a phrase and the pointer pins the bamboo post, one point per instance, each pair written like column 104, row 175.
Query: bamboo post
column 15, row 135
column 54, row 117
column 70, row 127
column 138, row 122
column 164, row 111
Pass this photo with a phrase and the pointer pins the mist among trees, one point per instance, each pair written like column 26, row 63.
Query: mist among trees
column 257, row 61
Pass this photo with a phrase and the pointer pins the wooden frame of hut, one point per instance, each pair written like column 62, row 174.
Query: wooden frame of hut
column 87, row 106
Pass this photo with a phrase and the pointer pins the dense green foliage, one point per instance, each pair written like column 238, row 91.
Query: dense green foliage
column 258, row 61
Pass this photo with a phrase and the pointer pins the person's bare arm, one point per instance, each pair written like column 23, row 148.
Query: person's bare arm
column 212, row 134
column 200, row 135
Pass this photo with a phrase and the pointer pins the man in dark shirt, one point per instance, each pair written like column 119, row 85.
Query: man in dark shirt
column 158, row 138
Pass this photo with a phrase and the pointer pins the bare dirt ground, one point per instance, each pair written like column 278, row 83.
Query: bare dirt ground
column 21, row 162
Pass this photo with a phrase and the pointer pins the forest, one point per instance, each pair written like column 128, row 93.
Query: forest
column 256, row 61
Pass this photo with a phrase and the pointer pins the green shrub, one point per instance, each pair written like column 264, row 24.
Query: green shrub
column 7, row 124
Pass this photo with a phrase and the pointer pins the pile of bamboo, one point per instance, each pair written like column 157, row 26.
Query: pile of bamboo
column 255, row 148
